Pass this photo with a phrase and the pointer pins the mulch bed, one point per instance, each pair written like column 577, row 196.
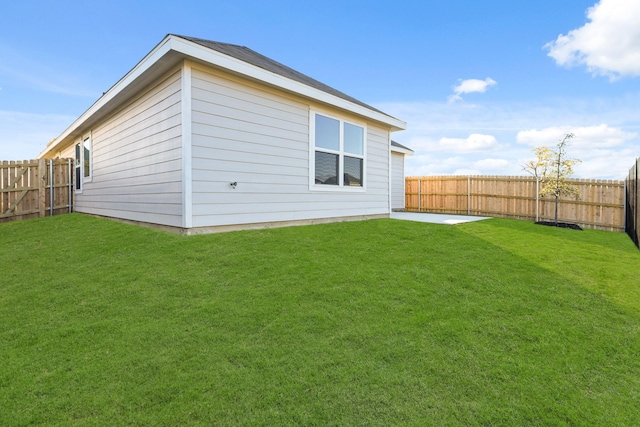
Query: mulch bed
column 560, row 224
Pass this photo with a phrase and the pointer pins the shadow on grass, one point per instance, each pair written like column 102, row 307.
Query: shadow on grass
column 605, row 263
column 608, row 239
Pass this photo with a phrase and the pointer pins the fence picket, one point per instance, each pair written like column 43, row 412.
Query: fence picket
column 29, row 189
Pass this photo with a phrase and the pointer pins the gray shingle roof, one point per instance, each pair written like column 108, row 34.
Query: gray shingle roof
column 396, row 144
column 254, row 58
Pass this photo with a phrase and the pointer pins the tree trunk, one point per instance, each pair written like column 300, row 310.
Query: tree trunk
column 556, row 213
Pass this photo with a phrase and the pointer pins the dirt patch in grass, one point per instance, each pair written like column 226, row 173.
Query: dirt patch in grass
column 560, row 225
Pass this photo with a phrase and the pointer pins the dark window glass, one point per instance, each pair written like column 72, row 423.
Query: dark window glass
column 78, row 167
column 352, row 171
column 327, row 168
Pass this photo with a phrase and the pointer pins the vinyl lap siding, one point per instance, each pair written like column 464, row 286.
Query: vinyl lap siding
column 137, row 163
column 397, row 181
column 378, row 164
column 260, row 139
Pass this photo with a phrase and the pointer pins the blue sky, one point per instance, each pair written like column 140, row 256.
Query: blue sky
column 479, row 82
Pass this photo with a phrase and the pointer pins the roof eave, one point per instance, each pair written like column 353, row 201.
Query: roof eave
column 399, row 148
column 402, row 150
column 157, row 53
column 235, row 65
column 172, row 45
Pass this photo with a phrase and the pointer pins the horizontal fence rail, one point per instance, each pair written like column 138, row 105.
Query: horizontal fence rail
column 35, row 188
column 599, row 205
column 632, row 225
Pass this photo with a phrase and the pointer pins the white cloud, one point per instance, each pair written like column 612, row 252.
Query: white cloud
column 492, row 165
column 474, row 142
column 586, row 137
column 486, row 167
column 608, row 140
column 427, row 163
column 607, row 45
column 470, row 86
column 466, row 171
column 604, row 151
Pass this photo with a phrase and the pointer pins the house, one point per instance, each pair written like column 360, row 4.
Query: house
column 203, row 136
column 398, row 152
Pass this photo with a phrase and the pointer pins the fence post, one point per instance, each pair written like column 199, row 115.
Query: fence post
column 635, row 205
column 42, row 177
column 51, row 187
column 626, row 203
column 469, row 195
column 537, row 199
column 419, row 188
column 70, row 184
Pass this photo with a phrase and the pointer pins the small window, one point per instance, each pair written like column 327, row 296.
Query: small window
column 78, row 167
column 87, row 158
column 339, row 155
column 83, row 163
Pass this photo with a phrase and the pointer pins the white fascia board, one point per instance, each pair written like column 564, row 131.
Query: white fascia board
column 401, row 150
column 147, row 62
column 238, row 66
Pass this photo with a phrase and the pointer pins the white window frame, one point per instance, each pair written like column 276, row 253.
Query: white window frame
column 341, row 154
column 80, row 166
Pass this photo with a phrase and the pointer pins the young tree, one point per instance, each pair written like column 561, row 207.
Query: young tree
column 539, row 167
column 552, row 168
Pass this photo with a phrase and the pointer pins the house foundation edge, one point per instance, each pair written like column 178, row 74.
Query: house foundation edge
column 241, row 227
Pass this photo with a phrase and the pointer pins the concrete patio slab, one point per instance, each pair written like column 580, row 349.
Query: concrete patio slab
column 436, row 218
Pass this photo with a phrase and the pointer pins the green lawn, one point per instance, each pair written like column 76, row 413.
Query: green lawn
column 384, row 322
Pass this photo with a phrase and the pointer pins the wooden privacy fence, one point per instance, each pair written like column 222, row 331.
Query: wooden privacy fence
column 35, row 188
column 632, row 225
column 600, row 203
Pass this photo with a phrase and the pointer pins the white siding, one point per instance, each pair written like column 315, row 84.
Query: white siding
column 397, row 181
column 137, row 160
column 260, row 139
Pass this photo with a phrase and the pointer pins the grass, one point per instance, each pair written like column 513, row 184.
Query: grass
column 383, row 322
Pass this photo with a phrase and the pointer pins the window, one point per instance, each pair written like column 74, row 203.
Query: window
column 338, row 157
column 86, row 161
column 78, row 167
column 83, row 163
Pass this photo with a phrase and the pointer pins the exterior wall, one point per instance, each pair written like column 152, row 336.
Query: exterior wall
column 397, row 181
column 259, row 137
column 137, row 159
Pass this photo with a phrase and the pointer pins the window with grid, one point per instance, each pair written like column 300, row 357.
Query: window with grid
column 338, row 152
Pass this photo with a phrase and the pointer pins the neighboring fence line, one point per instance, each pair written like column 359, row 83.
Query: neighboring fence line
column 35, row 188
column 632, row 224
column 600, row 204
